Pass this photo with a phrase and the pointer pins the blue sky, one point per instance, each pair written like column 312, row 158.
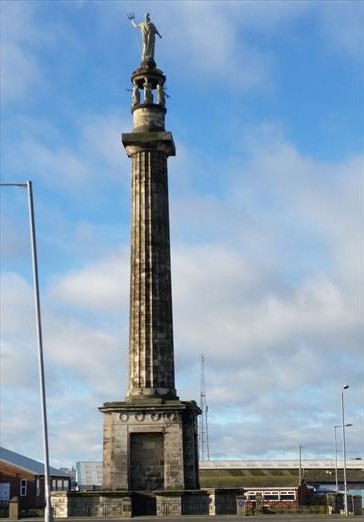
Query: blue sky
column 266, row 107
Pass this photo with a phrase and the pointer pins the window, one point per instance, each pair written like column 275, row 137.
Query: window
column 271, row 495
column 62, row 485
column 287, row 495
column 23, row 487
column 37, row 486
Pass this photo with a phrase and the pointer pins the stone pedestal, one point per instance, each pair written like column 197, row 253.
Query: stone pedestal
column 150, row 445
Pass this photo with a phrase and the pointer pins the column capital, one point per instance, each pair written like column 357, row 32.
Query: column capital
column 135, row 142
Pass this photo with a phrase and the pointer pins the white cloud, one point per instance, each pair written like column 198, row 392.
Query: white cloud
column 209, row 46
column 18, row 332
column 86, row 355
column 83, row 369
column 102, row 286
column 342, row 26
column 19, row 72
column 25, row 35
column 18, row 295
column 66, row 166
column 215, row 292
column 268, row 314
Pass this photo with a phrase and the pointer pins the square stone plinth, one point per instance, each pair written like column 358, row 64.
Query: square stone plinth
column 150, row 444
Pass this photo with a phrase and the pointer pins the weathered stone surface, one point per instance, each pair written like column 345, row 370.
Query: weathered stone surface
column 151, row 358
column 148, row 118
column 121, row 504
column 169, row 505
column 150, row 446
column 150, row 440
column 146, row 461
column 67, row 504
column 148, row 141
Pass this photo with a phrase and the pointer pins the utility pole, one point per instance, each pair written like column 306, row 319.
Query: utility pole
column 300, row 477
column 204, row 449
column 344, row 451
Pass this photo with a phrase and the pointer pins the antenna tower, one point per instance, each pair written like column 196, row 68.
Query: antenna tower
column 204, row 450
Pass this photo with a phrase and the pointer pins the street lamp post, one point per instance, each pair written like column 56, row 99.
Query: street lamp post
column 48, row 515
column 300, row 477
column 344, row 450
column 336, row 481
column 336, row 476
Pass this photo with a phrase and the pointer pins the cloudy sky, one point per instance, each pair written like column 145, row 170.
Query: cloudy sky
column 266, row 106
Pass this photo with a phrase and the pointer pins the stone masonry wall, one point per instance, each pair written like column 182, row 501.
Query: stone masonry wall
column 90, row 504
column 151, row 440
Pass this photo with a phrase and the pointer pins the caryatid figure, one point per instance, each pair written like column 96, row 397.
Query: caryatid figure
column 148, row 30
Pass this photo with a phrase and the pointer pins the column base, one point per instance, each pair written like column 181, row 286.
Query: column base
column 150, row 445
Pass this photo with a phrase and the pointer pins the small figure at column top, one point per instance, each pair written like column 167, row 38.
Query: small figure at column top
column 148, row 30
column 148, row 96
column 136, row 95
column 160, row 95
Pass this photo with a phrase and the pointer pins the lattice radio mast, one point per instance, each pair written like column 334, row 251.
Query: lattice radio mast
column 204, row 449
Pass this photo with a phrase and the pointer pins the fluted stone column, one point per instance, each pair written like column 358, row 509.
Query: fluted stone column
column 151, row 358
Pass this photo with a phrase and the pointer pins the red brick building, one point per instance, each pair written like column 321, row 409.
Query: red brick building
column 23, row 477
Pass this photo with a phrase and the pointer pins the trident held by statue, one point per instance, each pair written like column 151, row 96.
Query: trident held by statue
column 131, row 16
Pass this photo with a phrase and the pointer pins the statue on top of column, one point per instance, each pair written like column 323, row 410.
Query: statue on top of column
column 148, row 30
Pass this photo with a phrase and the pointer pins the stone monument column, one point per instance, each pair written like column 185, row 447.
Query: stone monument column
column 151, row 359
column 150, row 438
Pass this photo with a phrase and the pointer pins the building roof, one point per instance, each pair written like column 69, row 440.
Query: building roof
column 274, row 474
column 27, row 464
column 279, row 464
